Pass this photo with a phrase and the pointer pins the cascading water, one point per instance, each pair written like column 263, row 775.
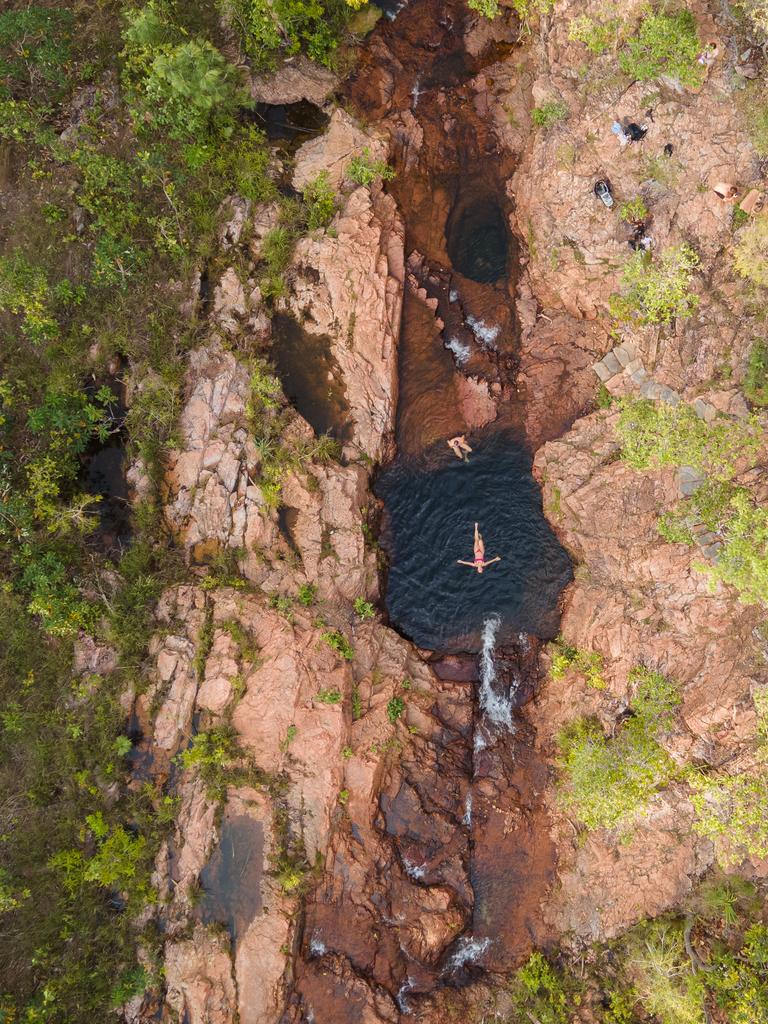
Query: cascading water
column 495, row 706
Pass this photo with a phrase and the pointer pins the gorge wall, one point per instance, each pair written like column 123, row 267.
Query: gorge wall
column 398, row 837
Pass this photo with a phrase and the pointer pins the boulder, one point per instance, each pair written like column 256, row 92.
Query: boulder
column 333, row 150
column 296, row 79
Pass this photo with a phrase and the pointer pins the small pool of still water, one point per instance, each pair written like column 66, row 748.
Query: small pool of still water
column 477, row 238
column 231, row 880
column 310, row 377
column 431, row 506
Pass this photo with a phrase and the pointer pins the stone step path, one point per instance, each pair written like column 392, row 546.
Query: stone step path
column 622, row 370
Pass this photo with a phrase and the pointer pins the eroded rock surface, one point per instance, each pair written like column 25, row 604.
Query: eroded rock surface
column 349, row 286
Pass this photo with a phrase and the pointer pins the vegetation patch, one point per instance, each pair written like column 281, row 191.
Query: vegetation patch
column 733, row 808
column 656, row 291
column 756, row 380
column 607, row 780
column 750, row 253
column 659, row 434
column 566, row 658
column 549, row 114
column 665, row 44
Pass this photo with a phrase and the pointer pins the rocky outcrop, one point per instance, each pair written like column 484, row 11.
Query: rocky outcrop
column 348, row 285
column 332, row 152
column 575, row 244
column 638, row 600
column 199, row 983
column 605, row 887
column 212, row 502
column 296, row 79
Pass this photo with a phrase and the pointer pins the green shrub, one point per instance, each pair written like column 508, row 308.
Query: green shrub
column 529, row 11
column 661, row 970
column 739, row 978
column 185, row 88
column 54, row 595
column 488, row 8
column 710, row 505
column 285, row 27
column 320, row 201
column 329, row 696
column 35, row 49
column 364, row 608
column 733, row 807
column 756, row 380
column 655, row 291
column 538, row 993
column 307, row 594
column 566, row 657
column 24, row 290
column 215, row 755
column 364, row 170
column 750, row 253
column 659, row 434
column 277, row 250
column 633, row 210
column 605, row 781
column 338, row 643
column 395, row 708
column 742, row 562
column 598, row 37
column 756, row 11
column 549, row 114
column 725, row 899
column 665, row 44
column 754, row 107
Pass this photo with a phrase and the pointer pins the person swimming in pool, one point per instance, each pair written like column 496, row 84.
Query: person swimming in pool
column 459, row 447
column 479, row 562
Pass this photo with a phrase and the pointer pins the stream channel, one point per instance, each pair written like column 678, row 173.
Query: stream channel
column 447, row 888
column 461, row 816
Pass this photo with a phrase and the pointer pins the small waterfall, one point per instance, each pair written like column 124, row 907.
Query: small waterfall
column 414, row 871
column 486, row 334
column 416, row 92
column 460, row 350
column 402, row 1001
column 467, row 819
column 317, row 947
column 497, row 709
column 468, row 951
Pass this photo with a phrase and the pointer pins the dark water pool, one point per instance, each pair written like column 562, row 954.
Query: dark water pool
column 310, row 377
column 477, row 238
column 431, row 505
column 231, row 881
column 289, row 122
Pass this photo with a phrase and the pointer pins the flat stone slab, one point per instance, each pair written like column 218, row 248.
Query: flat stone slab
column 602, row 371
column 612, row 362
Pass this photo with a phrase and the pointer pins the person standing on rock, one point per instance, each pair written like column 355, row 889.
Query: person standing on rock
column 479, row 562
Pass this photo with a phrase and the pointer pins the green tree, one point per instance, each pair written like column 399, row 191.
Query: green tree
column 607, row 780
column 665, row 44
column 655, row 291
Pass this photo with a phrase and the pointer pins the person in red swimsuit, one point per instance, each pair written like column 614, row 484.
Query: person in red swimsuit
column 479, row 562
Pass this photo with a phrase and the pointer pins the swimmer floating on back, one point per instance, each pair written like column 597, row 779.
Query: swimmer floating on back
column 459, row 447
column 479, row 562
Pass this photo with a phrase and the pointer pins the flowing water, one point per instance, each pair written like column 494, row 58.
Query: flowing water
column 431, row 505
